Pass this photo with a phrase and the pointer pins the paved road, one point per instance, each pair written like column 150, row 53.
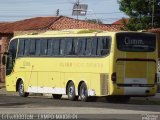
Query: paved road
column 101, row 110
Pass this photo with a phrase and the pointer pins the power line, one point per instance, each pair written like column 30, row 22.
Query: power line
column 105, row 13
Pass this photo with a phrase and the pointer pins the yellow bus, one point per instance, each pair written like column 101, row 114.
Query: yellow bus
column 83, row 63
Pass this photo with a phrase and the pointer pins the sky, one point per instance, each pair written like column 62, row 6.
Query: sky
column 13, row 10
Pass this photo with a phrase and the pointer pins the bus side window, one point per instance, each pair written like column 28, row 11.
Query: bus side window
column 75, row 46
column 26, row 47
column 21, row 47
column 43, row 51
column 13, row 48
column 88, row 50
column 38, row 47
column 81, row 46
column 56, row 47
column 62, row 47
column 32, row 47
column 94, row 47
column 49, row 47
column 69, row 46
column 103, row 46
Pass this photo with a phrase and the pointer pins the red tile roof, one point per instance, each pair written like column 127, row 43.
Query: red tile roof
column 53, row 23
column 120, row 22
column 155, row 30
column 37, row 23
column 3, row 23
column 70, row 23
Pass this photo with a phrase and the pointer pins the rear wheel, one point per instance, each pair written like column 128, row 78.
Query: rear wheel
column 84, row 92
column 71, row 92
column 56, row 96
column 21, row 90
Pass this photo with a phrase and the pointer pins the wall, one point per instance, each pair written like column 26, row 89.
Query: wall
column 4, row 40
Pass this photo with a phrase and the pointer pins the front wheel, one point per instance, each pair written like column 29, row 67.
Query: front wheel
column 21, row 90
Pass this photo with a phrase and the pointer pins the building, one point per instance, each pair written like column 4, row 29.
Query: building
column 38, row 24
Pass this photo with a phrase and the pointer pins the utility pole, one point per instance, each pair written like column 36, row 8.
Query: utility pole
column 77, row 12
column 57, row 12
column 77, row 8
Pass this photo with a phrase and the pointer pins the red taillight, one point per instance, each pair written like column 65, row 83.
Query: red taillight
column 113, row 77
column 155, row 79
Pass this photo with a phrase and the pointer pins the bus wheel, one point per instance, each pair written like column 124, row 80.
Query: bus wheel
column 84, row 92
column 21, row 90
column 56, row 96
column 71, row 92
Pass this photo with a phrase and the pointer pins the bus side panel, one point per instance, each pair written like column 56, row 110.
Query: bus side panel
column 11, row 82
column 16, row 74
column 97, row 84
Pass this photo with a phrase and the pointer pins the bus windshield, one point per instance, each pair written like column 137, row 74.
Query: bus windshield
column 132, row 42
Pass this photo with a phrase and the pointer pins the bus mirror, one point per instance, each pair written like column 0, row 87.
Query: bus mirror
column 4, row 59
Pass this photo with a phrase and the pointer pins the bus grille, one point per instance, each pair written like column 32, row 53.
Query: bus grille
column 104, row 84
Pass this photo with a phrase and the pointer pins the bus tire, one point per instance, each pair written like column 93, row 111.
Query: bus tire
column 84, row 92
column 21, row 90
column 71, row 92
column 57, row 96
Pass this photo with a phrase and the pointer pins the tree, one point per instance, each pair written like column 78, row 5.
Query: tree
column 140, row 13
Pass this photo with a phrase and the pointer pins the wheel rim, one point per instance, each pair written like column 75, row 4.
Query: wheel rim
column 21, row 88
column 83, row 92
column 71, row 91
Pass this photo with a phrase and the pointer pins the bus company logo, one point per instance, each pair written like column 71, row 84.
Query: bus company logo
column 129, row 41
column 150, row 117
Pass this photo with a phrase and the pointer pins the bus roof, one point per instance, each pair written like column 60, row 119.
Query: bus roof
column 71, row 33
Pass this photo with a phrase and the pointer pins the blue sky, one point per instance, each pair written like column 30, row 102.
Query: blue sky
column 13, row 10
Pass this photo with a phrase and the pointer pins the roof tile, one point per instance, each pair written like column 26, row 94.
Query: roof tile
column 37, row 23
column 53, row 23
